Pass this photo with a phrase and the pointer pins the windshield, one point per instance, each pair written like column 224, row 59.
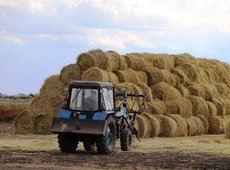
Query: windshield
column 84, row 99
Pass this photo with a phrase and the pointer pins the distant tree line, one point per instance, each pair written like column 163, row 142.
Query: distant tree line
column 18, row 96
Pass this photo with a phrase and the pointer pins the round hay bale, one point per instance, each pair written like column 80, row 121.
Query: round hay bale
column 219, row 105
column 113, row 61
column 211, row 91
column 227, row 106
column 211, row 74
column 132, row 76
column 70, row 72
column 122, row 63
column 147, row 91
column 135, row 61
column 49, row 105
column 97, row 74
column 192, row 126
column 148, row 133
column 155, row 126
column 130, row 87
column 203, row 76
column 182, row 76
column 52, row 86
column 109, row 60
column 200, row 126
column 216, row 125
column 156, row 75
column 199, row 106
column 37, row 104
column 227, row 130
column 185, row 58
column 183, row 90
column 186, row 72
column 223, row 90
column 205, row 122
column 161, row 61
column 226, row 119
column 156, row 107
column 165, row 92
column 212, row 108
column 168, row 126
column 181, row 125
column 181, row 106
column 204, row 90
column 23, row 123
column 197, row 89
column 170, row 78
column 42, row 124
column 175, row 80
column 53, row 105
column 142, row 126
column 93, row 58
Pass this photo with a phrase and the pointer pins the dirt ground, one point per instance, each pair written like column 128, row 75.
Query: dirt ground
column 42, row 152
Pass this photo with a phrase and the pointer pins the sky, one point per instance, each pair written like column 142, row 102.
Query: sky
column 39, row 37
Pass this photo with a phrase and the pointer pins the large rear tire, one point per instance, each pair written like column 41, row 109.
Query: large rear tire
column 105, row 144
column 67, row 143
column 126, row 139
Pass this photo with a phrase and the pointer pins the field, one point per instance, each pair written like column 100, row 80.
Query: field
column 42, row 152
column 9, row 108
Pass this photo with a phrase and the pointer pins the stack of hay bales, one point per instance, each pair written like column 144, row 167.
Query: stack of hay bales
column 185, row 95
column 45, row 106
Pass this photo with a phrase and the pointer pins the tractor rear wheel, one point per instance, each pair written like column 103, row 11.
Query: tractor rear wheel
column 126, row 139
column 105, row 144
column 67, row 143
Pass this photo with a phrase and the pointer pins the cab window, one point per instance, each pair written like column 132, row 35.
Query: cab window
column 107, row 99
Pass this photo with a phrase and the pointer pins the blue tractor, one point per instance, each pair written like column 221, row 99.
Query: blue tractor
column 93, row 114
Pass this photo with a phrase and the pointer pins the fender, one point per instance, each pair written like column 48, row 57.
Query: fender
column 100, row 116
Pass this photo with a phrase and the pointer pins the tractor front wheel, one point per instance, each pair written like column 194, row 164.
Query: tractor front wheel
column 67, row 143
column 105, row 144
column 126, row 139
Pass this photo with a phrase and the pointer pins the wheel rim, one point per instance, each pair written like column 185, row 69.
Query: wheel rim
column 109, row 136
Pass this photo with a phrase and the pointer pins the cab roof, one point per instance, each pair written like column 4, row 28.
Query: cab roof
column 91, row 84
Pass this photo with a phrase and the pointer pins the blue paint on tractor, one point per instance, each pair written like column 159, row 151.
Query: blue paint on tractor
column 99, row 116
column 64, row 113
column 82, row 117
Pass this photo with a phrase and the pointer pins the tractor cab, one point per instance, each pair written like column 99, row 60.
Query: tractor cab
column 87, row 100
column 91, row 97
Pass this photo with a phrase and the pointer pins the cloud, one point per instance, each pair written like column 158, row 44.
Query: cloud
column 74, row 3
column 183, row 15
column 109, row 38
column 3, row 15
column 16, row 40
column 44, row 6
column 171, row 15
column 12, row 38
column 53, row 37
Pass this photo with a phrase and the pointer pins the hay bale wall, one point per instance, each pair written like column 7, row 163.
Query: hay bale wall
column 227, row 130
column 185, row 95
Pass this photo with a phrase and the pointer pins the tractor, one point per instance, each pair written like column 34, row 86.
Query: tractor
column 93, row 114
